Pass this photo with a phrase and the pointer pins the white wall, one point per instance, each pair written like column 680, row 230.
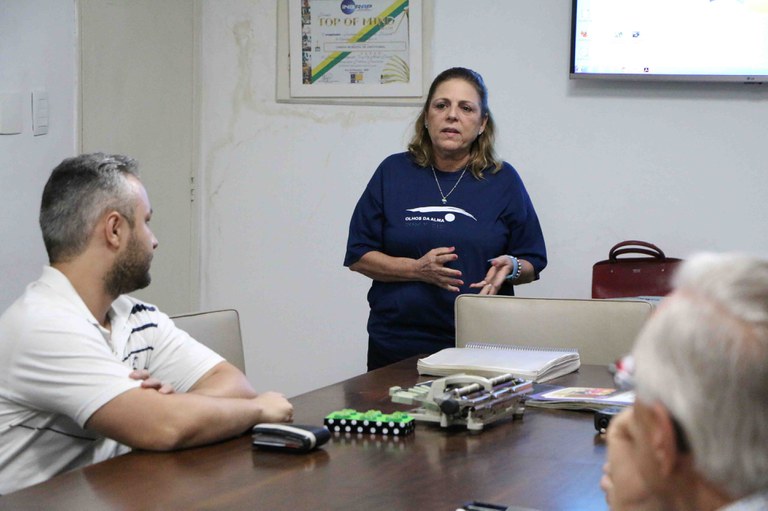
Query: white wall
column 280, row 182
column 138, row 62
column 37, row 50
column 680, row 165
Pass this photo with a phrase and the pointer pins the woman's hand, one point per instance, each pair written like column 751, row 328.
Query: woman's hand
column 502, row 266
column 497, row 274
column 431, row 268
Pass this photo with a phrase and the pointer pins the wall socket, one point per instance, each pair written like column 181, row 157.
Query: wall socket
column 40, row 112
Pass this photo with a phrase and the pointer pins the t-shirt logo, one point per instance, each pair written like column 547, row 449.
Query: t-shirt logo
column 438, row 214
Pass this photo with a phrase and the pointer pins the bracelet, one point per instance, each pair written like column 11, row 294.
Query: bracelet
column 517, row 268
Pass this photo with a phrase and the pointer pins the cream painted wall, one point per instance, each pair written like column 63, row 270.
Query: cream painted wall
column 680, row 165
column 151, row 93
column 280, row 182
column 138, row 64
column 37, row 50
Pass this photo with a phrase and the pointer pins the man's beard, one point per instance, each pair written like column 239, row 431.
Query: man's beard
column 130, row 271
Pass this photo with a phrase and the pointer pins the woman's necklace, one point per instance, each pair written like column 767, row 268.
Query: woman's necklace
column 445, row 196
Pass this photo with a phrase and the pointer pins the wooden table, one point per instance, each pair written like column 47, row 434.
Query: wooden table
column 550, row 460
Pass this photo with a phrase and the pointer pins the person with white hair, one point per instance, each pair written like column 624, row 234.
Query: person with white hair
column 697, row 435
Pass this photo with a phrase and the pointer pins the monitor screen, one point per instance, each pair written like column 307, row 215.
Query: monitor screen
column 698, row 40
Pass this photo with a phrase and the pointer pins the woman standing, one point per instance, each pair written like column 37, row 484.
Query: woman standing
column 444, row 218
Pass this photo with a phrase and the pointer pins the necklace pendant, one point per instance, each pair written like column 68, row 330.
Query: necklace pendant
column 440, row 189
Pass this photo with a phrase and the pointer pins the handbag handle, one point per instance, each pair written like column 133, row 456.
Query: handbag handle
column 650, row 249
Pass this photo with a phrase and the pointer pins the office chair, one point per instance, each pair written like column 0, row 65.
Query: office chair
column 602, row 330
column 219, row 330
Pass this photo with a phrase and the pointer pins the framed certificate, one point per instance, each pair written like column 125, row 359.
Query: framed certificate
column 356, row 49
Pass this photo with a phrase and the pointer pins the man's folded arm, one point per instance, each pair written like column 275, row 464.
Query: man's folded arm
column 143, row 418
column 224, row 380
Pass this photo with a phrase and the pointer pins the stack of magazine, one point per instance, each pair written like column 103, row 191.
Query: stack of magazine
column 579, row 398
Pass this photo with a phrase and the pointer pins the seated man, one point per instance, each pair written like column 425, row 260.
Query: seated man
column 697, row 436
column 86, row 372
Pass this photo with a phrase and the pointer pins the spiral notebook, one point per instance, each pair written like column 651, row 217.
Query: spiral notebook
column 538, row 364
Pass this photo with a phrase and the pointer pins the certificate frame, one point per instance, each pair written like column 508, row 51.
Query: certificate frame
column 293, row 20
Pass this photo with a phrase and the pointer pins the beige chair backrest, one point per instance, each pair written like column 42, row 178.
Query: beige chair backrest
column 219, row 330
column 602, row 330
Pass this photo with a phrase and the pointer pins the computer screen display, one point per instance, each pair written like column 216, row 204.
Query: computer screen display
column 698, row 40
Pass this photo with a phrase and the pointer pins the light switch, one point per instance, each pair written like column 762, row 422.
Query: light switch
column 39, row 112
column 11, row 108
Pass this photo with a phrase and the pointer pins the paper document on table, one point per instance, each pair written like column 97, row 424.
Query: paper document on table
column 530, row 363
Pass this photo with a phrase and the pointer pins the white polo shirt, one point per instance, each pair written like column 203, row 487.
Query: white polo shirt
column 58, row 366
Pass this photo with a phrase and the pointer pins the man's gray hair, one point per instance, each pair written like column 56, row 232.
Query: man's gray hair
column 79, row 191
column 704, row 356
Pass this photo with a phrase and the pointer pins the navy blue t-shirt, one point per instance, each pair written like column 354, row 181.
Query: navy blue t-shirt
column 401, row 214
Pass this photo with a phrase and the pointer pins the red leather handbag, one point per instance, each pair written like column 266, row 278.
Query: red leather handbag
column 650, row 275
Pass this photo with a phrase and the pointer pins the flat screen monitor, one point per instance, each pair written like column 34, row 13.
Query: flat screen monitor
column 683, row 40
